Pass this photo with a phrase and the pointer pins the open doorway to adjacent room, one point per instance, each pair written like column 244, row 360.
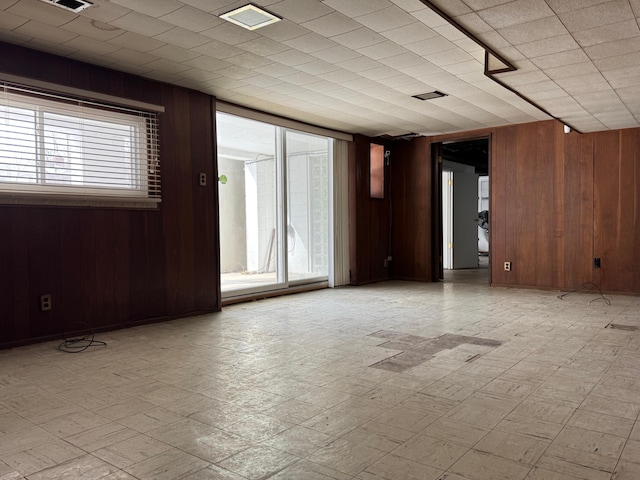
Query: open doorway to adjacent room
column 465, row 211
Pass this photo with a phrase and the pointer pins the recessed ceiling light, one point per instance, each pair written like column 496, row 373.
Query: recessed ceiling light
column 430, row 95
column 71, row 5
column 250, row 17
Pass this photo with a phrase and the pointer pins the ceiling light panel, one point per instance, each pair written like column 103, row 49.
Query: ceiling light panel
column 430, row 95
column 250, row 17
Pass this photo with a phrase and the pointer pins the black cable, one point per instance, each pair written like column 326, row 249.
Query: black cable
column 80, row 344
column 585, row 284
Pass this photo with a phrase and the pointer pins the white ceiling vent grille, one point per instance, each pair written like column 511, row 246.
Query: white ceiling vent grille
column 250, row 17
column 71, row 5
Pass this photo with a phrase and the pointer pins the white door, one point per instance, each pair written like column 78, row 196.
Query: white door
column 465, row 220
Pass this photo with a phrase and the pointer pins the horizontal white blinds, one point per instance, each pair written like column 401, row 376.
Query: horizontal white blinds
column 52, row 144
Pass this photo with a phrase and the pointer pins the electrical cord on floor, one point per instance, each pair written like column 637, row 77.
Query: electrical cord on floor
column 80, row 344
column 587, row 284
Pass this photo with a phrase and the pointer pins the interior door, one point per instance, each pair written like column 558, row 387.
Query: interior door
column 465, row 220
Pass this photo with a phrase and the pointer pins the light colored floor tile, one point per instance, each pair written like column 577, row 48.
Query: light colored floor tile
column 324, row 398
column 24, row 440
column 307, row 470
column 626, row 471
column 42, row 457
column 583, row 465
column 334, row 423
column 392, row 467
column 611, row 406
column 431, row 451
column 346, row 457
column 388, row 394
column 214, row 472
column 518, row 448
column 181, row 431
column 169, row 465
column 86, row 467
column 258, row 462
column 531, row 427
column 294, row 411
column 150, row 420
column 131, row 451
column 482, row 466
column 258, row 427
column 590, row 441
column 475, row 415
column 299, row 441
column 379, row 436
column 548, row 412
column 362, row 407
column 543, row 474
column 74, row 423
column 455, row 432
column 406, row 418
column 620, row 427
column 631, row 452
column 429, row 404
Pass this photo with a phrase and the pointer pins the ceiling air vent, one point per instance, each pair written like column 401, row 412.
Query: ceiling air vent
column 430, row 95
column 250, row 17
column 71, row 5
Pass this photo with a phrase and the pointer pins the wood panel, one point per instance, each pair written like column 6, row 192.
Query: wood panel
column 112, row 267
column 411, row 190
column 369, row 217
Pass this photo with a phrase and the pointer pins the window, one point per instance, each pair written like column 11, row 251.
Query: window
column 56, row 147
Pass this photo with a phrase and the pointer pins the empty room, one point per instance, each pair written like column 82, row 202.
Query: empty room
column 320, row 239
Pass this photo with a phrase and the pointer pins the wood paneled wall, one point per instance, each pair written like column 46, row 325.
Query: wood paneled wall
column 557, row 201
column 112, row 267
column 369, row 217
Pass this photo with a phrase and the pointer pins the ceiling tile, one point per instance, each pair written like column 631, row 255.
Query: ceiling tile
column 514, row 13
column 387, row 19
column 104, row 11
column 206, row 63
column 356, row 8
column 300, row 11
column 237, row 73
column 230, row 33
column 91, row 46
column 183, row 38
column 359, row 65
column 218, row 50
column 141, row 24
column 449, row 32
column 283, row 30
column 382, row 50
column 620, row 61
column 449, row 57
column 37, row 44
column 607, row 33
column 317, row 67
column 262, row 46
column 472, row 22
column 564, row 6
column 430, row 18
column 331, row 25
column 45, row 32
column 192, row 19
column 153, row 8
column 410, row 5
column 381, row 72
column 136, row 42
column 560, row 59
column 41, row 12
column 612, row 49
column 411, row 33
column 249, row 60
column 167, row 66
column 336, row 54
column 433, row 45
column 309, row 43
column 597, row 16
column 92, row 28
column 300, row 79
column 291, row 58
column 126, row 55
column 571, row 70
column 360, row 38
column 593, row 82
column 548, row 46
column 532, row 31
column 402, row 61
column 9, row 21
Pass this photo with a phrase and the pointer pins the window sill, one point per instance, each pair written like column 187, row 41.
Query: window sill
column 79, row 201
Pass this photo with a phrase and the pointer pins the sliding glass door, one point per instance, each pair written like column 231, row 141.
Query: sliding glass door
column 274, row 206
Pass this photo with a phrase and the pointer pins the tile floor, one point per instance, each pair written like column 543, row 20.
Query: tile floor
column 287, row 389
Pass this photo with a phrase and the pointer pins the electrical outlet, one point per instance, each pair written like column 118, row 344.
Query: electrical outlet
column 203, row 179
column 45, row 302
column 507, row 266
column 596, row 262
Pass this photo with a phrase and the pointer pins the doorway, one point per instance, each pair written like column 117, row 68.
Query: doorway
column 465, row 210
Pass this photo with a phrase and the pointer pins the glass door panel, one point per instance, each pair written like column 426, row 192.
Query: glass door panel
column 249, row 213
column 308, row 189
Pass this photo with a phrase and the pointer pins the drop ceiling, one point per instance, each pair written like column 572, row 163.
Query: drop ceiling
column 355, row 65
